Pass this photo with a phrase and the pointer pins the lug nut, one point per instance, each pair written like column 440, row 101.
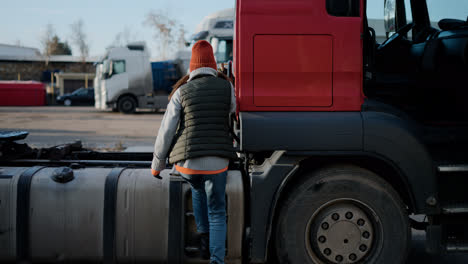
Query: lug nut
column 366, row 234
column 363, row 248
column 325, row 225
column 322, row 239
column 349, row 215
column 339, row 258
column 327, row 251
column 335, row 216
column 361, row 222
column 352, row 257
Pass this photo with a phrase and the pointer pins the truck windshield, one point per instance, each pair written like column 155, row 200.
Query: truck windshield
column 79, row 91
column 455, row 9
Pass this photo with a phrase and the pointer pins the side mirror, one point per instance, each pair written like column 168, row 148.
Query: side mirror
column 200, row 35
column 390, row 16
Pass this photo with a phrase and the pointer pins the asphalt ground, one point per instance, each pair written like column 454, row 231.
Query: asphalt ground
column 98, row 130
column 105, row 130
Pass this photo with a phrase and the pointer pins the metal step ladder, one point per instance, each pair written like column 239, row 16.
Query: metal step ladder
column 454, row 211
column 453, row 208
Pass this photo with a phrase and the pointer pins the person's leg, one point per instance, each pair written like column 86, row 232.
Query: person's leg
column 215, row 187
column 199, row 201
column 200, row 210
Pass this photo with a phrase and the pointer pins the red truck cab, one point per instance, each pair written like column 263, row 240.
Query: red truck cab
column 322, row 106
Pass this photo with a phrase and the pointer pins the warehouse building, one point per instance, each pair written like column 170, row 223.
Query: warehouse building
column 23, row 63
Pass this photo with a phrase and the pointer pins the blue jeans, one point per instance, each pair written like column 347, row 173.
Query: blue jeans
column 209, row 208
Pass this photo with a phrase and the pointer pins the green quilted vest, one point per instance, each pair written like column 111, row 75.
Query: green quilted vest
column 204, row 124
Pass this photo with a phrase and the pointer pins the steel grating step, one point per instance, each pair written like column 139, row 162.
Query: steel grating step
column 453, row 168
column 456, row 208
column 457, row 246
column 191, row 249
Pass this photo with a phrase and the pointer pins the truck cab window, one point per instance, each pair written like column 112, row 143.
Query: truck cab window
column 118, row 67
column 223, row 52
column 343, row 8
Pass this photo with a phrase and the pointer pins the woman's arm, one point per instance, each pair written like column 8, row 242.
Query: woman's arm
column 166, row 134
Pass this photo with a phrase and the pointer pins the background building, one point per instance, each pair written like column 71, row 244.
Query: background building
column 23, row 63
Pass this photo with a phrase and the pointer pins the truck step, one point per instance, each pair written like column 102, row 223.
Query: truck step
column 191, row 250
column 189, row 213
column 457, row 246
column 455, row 208
column 453, row 168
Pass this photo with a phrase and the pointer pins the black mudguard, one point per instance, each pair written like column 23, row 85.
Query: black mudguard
column 398, row 141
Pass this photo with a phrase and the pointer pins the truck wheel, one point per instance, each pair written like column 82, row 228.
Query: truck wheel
column 127, row 105
column 343, row 214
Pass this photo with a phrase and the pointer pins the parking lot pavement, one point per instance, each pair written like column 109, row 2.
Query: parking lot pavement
column 49, row 126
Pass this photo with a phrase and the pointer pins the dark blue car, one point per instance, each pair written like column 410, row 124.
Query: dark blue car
column 81, row 96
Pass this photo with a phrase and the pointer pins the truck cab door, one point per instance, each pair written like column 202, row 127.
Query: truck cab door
column 116, row 80
column 299, row 55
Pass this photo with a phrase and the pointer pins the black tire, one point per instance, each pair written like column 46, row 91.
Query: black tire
column 308, row 231
column 127, row 105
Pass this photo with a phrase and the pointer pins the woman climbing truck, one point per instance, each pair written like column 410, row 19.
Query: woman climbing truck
column 194, row 135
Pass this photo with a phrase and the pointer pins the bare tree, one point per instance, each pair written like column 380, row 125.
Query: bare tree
column 79, row 40
column 124, row 37
column 181, row 39
column 165, row 32
column 47, row 42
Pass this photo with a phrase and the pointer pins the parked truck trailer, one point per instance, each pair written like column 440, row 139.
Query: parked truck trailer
column 340, row 140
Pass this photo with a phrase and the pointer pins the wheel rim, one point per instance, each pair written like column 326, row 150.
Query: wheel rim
column 127, row 105
column 67, row 102
column 342, row 231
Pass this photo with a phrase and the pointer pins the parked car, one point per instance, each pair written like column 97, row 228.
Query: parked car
column 81, row 96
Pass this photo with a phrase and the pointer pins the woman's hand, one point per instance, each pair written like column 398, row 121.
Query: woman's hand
column 155, row 173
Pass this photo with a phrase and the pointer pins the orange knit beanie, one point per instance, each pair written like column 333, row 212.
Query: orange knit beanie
column 202, row 56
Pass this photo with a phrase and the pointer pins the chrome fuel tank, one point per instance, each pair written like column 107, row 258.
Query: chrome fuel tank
column 50, row 214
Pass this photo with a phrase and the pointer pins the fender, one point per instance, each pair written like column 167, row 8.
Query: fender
column 398, row 140
column 116, row 97
column 295, row 136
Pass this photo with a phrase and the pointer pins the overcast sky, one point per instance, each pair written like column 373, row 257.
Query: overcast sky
column 24, row 21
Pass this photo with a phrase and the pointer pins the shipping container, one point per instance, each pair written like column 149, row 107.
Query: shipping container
column 22, row 93
column 165, row 74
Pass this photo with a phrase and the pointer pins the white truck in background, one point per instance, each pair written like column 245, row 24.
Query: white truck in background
column 127, row 80
column 216, row 28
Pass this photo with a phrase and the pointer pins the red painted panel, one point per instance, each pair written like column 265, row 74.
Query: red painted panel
column 17, row 93
column 256, row 18
column 292, row 70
